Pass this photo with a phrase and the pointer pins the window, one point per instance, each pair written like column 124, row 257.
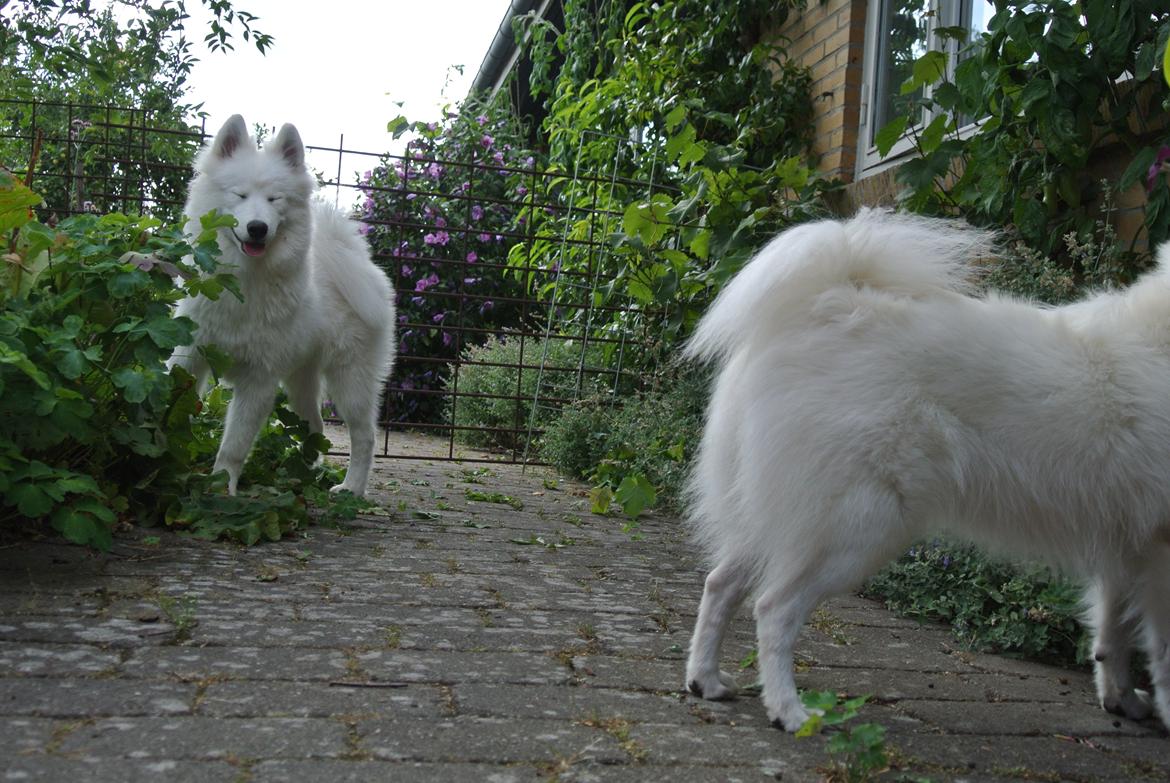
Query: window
column 898, row 32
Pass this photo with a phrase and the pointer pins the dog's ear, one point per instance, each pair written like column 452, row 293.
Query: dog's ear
column 288, row 143
column 231, row 136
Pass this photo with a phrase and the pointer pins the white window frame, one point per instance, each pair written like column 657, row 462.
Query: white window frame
column 943, row 13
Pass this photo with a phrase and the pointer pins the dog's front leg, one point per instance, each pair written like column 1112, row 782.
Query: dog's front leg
column 252, row 400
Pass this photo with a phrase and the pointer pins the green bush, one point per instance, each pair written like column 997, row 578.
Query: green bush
column 95, row 432
column 653, row 434
column 497, row 385
column 991, row 605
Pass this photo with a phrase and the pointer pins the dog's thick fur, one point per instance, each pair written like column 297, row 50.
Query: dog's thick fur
column 314, row 307
column 864, row 397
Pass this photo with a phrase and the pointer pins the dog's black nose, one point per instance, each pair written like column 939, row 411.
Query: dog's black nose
column 257, row 229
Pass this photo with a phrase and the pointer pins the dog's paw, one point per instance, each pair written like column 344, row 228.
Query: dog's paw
column 343, row 488
column 790, row 717
column 1134, row 704
column 713, row 688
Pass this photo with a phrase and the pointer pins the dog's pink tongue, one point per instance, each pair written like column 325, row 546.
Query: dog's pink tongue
column 253, row 248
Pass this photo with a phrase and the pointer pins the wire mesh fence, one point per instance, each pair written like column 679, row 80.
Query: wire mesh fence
column 505, row 272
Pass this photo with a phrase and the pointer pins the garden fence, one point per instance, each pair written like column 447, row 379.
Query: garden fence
column 480, row 251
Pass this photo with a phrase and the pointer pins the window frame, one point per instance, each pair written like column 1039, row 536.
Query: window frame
column 943, row 13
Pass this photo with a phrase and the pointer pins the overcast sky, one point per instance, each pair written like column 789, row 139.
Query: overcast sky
column 340, row 66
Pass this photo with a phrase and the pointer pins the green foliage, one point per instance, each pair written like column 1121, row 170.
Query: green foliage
column 85, row 64
column 862, row 746
column 990, row 605
column 1057, row 83
column 723, row 122
column 439, row 217
column 635, row 452
column 95, row 430
column 497, row 385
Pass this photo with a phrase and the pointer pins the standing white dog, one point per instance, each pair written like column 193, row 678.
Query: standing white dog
column 864, row 398
column 315, row 306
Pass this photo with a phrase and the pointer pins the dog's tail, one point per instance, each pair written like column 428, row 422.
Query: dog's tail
column 901, row 254
column 361, row 284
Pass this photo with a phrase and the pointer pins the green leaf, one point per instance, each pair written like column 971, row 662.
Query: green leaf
column 635, row 494
column 398, row 126
column 600, row 499
column 167, row 332
column 9, row 355
column 30, row 500
column 132, row 382
column 927, row 69
column 889, row 135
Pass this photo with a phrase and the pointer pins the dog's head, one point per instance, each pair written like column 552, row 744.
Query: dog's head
column 259, row 187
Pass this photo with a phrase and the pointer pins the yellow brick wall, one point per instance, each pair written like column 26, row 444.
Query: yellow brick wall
column 827, row 37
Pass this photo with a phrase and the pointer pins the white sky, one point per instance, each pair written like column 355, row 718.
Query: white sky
column 339, row 66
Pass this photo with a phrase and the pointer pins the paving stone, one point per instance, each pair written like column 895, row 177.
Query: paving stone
column 494, row 740
column 318, row 700
column 80, row 698
column 207, row 738
column 54, row 769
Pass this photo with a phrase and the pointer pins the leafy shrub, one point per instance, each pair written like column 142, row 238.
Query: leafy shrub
column 439, row 220
column 498, row 384
column 652, row 435
column 95, row 430
column 990, row 605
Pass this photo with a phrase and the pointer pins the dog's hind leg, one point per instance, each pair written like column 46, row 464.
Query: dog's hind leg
column 1115, row 629
column 356, row 397
column 723, row 592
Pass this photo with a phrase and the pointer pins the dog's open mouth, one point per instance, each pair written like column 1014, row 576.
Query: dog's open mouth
column 253, row 248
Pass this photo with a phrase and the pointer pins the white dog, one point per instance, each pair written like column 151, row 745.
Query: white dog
column 864, row 398
column 315, row 306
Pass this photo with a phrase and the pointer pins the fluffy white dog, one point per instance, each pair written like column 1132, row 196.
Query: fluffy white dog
column 315, row 306
column 865, row 398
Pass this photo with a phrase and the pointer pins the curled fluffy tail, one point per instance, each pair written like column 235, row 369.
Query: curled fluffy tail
column 343, row 253
column 902, row 254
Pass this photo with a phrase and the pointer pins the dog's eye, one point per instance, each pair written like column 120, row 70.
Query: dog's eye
column 240, row 196
column 274, row 199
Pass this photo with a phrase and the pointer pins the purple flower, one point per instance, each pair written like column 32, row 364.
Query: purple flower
column 407, row 270
column 521, row 190
column 472, row 257
column 498, row 157
column 426, row 282
column 446, row 338
column 486, row 307
column 487, row 141
column 1157, row 167
column 482, row 119
column 476, row 212
column 485, row 237
column 470, row 280
column 440, row 222
column 364, row 229
column 434, row 171
column 438, row 317
column 437, row 238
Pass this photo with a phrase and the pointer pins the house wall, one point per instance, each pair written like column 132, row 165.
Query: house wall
column 827, row 37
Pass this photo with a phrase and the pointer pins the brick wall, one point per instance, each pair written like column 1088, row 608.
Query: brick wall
column 827, row 37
